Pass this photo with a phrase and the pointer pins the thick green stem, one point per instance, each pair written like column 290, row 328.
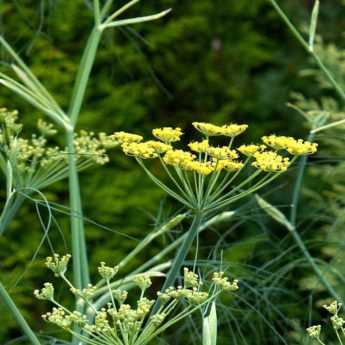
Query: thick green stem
column 80, row 264
column 180, row 256
column 83, row 75
column 80, row 261
column 7, row 300
column 183, row 251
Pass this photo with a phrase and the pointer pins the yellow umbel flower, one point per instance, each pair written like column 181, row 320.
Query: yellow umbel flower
column 228, row 165
column 222, row 153
column 295, row 147
column 249, row 150
column 198, row 167
column 168, row 134
column 158, row 146
column 208, row 129
column 270, row 161
column 300, row 148
column 178, row 158
column 233, row 130
column 126, row 138
column 139, row 150
column 199, row 146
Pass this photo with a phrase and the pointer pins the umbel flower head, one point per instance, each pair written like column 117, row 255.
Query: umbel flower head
column 337, row 322
column 36, row 163
column 207, row 176
column 108, row 319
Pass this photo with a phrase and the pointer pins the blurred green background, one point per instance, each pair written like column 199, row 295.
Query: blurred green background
column 216, row 61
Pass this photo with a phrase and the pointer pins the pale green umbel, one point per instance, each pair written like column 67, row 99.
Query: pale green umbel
column 29, row 88
column 116, row 321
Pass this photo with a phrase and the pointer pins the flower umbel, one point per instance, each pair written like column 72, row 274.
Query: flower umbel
column 207, row 176
column 36, row 163
column 109, row 317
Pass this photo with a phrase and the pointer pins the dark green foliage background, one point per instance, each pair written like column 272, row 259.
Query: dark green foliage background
column 217, row 61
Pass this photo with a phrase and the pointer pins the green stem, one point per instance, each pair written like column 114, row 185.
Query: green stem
column 83, row 75
column 183, row 251
column 293, row 217
column 181, row 255
column 298, row 184
column 7, row 300
column 80, row 261
column 80, row 264
column 225, row 216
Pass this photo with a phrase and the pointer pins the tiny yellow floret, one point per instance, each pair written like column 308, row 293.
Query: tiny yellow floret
column 168, row 134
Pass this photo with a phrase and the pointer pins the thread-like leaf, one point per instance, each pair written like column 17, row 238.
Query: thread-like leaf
column 313, row 24
column 274, row 212
column 209, row 331
column 138, row 20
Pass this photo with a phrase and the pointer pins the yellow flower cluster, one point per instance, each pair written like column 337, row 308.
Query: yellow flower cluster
column 87, row 146
column 139, row 150
column 233, row 130
column 222, row 153
column 216, row 158
column 270, row 161
column 146, row 150
column 178, row 158
column 199, row 146
column 168, row 134
column 158, row 146
column 210, row 130
column 249, row 150
column 296, row 147
column 124, row 137
column 227, row 165
column 199, row 167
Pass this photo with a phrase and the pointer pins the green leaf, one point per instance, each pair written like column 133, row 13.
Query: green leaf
column 313, row 24
column 209, row 331
column 274, row 212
